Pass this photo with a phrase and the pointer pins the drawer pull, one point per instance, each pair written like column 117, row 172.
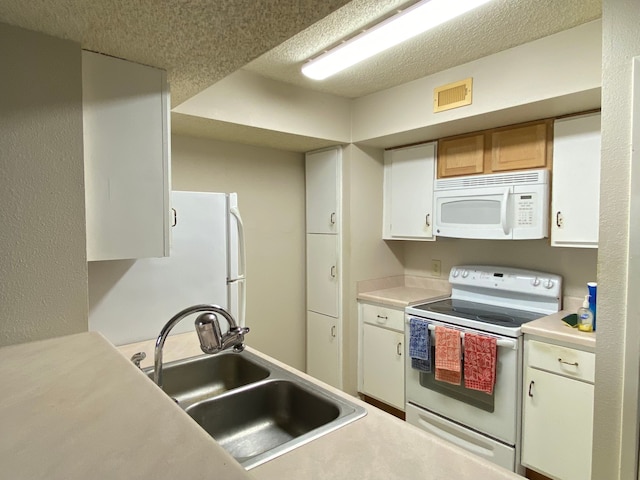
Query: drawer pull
column 531, row 384
column 573, row 364
column 382, row 317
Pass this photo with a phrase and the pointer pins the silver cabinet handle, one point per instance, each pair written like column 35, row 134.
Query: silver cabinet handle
column 531, row 384
column 572, row 364
column 333, row 271
column 333, row 331
column 426, row 220
column 332, row 218
column 399, row 349
column 175, row 217
column 559, row 221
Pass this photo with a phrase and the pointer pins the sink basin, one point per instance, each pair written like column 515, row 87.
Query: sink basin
column 260, row 419
column 194, row 379
column 253, row 408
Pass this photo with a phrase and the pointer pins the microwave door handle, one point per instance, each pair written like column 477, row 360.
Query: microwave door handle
column 504, row 221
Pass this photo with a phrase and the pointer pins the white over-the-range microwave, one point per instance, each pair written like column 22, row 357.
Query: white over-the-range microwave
column 509, row 206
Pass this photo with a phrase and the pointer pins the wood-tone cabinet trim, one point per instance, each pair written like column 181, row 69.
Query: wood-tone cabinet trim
column 491, row 161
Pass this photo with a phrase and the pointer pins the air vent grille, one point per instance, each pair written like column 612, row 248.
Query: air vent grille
column 495, row 179
column 452, row 95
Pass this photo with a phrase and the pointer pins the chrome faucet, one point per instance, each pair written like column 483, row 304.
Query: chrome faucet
column 212, row 340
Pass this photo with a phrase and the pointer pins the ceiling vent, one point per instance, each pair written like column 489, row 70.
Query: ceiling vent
column 452, row 95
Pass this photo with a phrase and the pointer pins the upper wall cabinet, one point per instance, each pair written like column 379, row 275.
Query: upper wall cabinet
column 516, row 147
column 322, row 191
column 408, row 193
column 126, row 155
column 575, row 198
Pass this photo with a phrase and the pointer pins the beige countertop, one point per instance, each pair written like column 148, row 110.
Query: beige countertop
column 74, row 408
column 553, row 328
column 377, row 446
column 402, row 291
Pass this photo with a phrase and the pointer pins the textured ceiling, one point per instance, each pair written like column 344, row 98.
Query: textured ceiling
column 198, row 42
column 494, row 27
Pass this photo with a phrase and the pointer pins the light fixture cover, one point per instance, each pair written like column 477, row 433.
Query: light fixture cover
column 410, row 22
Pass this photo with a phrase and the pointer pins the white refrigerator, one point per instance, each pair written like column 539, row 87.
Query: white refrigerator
column 131, row 300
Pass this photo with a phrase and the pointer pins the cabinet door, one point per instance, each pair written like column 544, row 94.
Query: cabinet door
column 383, row 365
column 461, row 156
column 575, row 197
column 322, row 274
column 322, row 191
column 557, row 425
column 126, row 124
column 519, row 147
column 323, row 348
column 409, row 176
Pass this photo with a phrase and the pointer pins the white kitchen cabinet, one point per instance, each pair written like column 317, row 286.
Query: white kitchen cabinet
column 323, row 191
column 408, row 192
column 382, row 354
column 576, row 182
column 126, row 157
column 323, row 348
column 557, row 425
column 322, row 274
column 324, row 264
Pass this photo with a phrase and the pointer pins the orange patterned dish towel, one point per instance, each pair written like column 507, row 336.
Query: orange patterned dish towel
column 479, row 362
column 448, row 355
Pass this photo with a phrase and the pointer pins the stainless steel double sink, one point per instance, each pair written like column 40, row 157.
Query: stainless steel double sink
column 253, row 408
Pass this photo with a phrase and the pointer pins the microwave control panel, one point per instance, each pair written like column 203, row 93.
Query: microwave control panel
column 525, row 209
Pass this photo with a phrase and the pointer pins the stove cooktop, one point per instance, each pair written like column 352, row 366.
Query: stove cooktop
column 480, row 312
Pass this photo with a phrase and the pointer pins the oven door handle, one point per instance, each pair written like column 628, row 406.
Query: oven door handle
column 500, row 341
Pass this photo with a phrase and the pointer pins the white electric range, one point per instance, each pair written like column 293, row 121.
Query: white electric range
column 491, row 301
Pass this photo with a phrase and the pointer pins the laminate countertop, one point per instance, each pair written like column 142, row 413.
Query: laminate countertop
column 377, row 446
column 553, row 328
column 75, row 408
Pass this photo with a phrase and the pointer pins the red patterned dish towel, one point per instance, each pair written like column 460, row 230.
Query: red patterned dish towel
column 448, row 355
column 479, row 362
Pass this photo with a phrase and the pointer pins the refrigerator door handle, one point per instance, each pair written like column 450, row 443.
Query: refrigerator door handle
column 242, row 261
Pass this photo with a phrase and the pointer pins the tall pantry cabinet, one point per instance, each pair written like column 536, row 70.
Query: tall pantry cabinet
column 324, row 267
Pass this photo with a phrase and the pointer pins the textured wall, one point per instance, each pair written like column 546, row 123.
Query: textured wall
column 616, row 398
column 576, row 265
column 270, row 187
column 43, row 270
column 366, row 256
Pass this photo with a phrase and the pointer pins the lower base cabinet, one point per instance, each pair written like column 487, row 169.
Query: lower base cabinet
column 557, row 427
column 382, row 350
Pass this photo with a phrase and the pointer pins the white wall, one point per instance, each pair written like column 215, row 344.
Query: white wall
column 270, row 187
column 576, row 265
column 43, row 269
column 366, row 255
column 555, row 74
column 615, row 446
column 248, row 99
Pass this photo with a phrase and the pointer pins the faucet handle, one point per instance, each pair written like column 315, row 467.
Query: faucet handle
column 136, row 358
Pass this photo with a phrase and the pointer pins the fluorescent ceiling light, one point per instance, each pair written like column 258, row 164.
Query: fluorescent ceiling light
column 407, row 24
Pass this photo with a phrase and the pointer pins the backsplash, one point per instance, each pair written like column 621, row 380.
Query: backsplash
column 576, row 265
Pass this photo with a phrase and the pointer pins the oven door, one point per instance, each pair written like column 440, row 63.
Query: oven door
column 494, row 415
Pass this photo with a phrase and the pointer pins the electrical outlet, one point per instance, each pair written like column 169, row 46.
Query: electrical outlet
column 436, row 268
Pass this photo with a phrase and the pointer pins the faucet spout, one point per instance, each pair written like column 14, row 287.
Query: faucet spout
column 212, row 340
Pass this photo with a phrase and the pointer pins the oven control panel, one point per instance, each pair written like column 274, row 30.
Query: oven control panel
column 506, row 279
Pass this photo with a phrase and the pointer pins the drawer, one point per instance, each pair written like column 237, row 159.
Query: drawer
column 562, row 360
column 383, row 317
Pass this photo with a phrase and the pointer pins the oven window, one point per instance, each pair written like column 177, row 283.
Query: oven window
column 474, row 398
column 471, row 212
